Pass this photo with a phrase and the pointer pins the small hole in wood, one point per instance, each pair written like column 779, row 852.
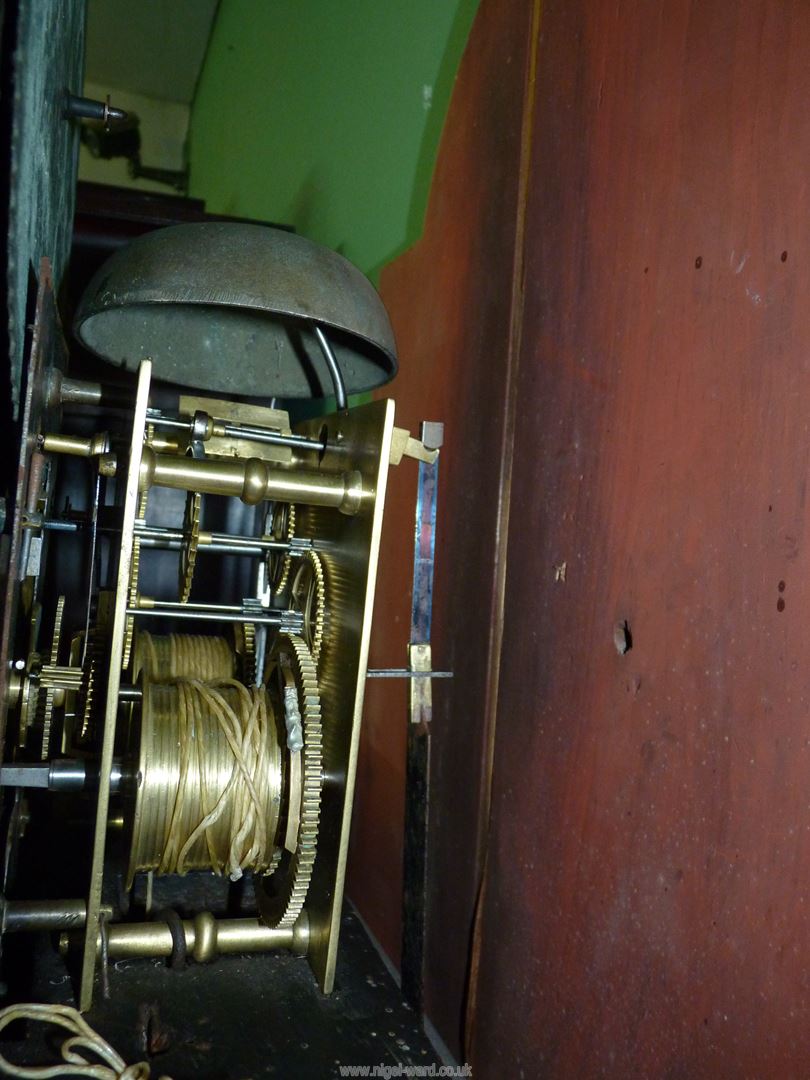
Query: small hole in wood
column 622, row 637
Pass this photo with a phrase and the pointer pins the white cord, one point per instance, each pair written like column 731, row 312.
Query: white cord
column 82, row 1038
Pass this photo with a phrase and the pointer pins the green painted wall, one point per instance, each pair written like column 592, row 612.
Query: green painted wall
column 327, row 115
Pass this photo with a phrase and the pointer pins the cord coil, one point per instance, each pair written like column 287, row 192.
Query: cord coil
column 165, row 658
column 210, row 778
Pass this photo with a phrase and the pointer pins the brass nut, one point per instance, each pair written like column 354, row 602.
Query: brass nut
column 205, row 937
column 300, row 941
column 352, row 493
column 107, row 464
column 14, row 688
column 147, row 471
column 255, row 481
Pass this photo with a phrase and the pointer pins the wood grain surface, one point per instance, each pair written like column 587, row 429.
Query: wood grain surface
column 648, row 885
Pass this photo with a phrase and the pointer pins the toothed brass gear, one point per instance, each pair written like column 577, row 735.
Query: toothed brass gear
column 91, row 704
column 282, row 909
column 132, row 592
column 282, row 527
column 191, row 540
column 48, row 696
column 57, row 629
column 132, row 601
column 308, row 595
column 249, row 640
column 88, row 697
column 244, row 640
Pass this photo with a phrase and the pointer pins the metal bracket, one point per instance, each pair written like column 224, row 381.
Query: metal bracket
column 417, row 763
column 404, row 445
column 421, row 698
column 406, row 673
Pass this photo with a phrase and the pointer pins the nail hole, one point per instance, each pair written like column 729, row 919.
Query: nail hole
column 780, row 604
column 622, row 637
column 783, row 256
column 781, row 586
column 698, row 262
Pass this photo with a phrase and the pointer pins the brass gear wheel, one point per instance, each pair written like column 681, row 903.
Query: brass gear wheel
column 282, row 527
column 308, row 595
column 132, row 592
column 96, row 661
column 191, row 541
column 245, row 645
column 88, row 698
column 48, row 698
column 57, row 629
column 281, row 909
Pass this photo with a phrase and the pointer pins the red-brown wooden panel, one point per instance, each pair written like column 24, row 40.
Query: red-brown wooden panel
column 648, row 888
column 450, row 302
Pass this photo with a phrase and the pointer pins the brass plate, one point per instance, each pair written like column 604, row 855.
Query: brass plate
column 131, row 498
column 349, row 549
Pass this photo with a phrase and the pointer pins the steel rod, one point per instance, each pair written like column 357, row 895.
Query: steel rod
column 160, row 419
column 272, row 438
column 153, row 536
column 17, row 916
column 221, row 539
column 160, row 544
column 253, row 545
column 91, row 565
column 226, row 617
column 233, row 430
column 177, row 605
column 406, row 673
column 54, row 525
column 235, row 549
column 334, row 369
column 155, row 532
column 61, row 774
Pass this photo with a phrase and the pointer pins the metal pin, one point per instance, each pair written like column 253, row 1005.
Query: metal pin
column 406, row 673
column 82, row 108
